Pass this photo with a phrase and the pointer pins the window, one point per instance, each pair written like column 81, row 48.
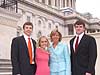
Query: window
column 56, row 27
column 39, row 23
column 90, row 30
column 28, row 18
column 49, row 25
column 39, row 34
column 70, row 29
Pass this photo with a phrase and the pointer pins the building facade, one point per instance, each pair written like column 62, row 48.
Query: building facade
column 45, row 15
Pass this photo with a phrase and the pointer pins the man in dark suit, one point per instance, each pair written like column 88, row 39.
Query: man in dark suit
column 83, row 51
column 22, row 62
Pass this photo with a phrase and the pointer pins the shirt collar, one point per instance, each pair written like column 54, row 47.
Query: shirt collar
column 26, row 37
column 81, row 35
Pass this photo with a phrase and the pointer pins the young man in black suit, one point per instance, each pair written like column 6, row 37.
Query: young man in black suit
column 83, row 52
column 22, row 62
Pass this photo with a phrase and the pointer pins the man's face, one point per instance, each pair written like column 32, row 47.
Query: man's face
column 28, row 30
column 79, row 29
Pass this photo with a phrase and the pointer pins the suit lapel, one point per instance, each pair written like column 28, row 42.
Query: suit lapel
column 72, row 42
column 81, row 43
column 24, row 45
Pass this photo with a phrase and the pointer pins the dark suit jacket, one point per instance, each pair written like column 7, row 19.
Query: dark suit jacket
column 20, row 57
column 83, row 60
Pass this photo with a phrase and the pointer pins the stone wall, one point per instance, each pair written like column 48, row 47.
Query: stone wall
column 8, row 30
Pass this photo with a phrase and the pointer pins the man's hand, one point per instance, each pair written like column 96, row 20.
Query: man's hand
column 88, row 73
column 18, row 74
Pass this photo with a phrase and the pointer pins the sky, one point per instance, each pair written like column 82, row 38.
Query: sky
column 92, row 6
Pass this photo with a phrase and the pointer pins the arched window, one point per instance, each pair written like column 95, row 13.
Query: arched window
column 28, row 18
column 39, row 23
column 49, row 25
column 39, row 34
column 70, row 29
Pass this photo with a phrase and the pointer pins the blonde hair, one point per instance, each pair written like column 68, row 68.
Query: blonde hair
column 40, row 40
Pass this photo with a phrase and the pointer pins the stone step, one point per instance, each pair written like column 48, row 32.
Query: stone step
column 5, row 67
column 5, row 61
column 5, row 73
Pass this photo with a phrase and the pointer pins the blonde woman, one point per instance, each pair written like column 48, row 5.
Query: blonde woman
column 42, row 57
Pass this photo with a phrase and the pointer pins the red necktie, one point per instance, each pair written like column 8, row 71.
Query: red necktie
column 30, row 50
column 76, row 44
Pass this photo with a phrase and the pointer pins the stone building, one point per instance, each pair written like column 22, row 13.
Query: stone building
column 45, row 15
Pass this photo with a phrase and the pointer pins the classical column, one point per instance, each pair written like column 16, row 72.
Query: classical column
column 69, row 3
column 74, row 2
column 60, row 3
column 53, row 3
column 46, row 2
column 56, row 3
column 65, row 3
column 40, row 0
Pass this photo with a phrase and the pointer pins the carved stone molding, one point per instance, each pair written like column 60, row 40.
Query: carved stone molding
column 9, row 18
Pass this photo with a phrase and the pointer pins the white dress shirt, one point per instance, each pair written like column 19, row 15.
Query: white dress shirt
column 80, row 37
column 26, row 39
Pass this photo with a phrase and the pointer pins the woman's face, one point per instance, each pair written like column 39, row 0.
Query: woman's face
column 43, row 43
column 55, row 37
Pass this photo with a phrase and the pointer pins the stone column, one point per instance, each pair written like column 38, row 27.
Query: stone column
column 61, row 3
column 57, row 3
column 40, row 0
column 69, row 4
column 65, row 3
column 74, row 2
column 53, row 3
column 46, row 2
column 8, row 30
